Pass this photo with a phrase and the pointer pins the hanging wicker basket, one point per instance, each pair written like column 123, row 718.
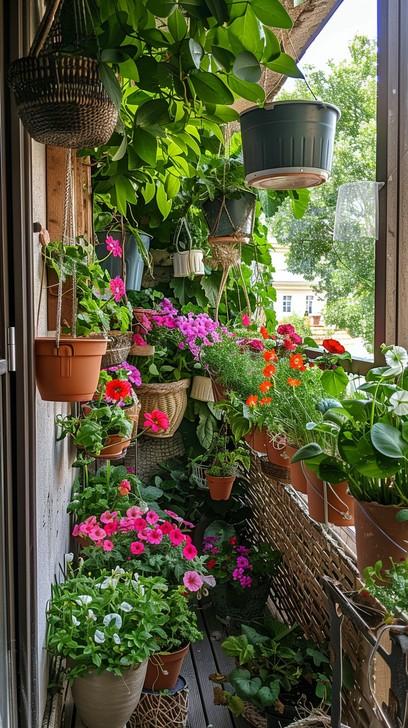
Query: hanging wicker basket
column 133, row 413
column 118, row 349
column 60, row 98
column 169, row 397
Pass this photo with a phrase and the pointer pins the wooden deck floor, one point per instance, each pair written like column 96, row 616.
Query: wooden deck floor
column 206, row 657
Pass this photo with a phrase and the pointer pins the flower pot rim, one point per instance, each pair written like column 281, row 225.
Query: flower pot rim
column 294, row 102
column 376, row 504
column 184, row 647
column 68, row 337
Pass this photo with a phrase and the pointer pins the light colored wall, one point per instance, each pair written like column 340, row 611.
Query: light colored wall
column 53, row 468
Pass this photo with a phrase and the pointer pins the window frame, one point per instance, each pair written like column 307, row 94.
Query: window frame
column 287, row 298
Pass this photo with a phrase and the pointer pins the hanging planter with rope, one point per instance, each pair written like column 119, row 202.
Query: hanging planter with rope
column 187, row 262
column 230, row 218
column 60, row 97
column 67, row 367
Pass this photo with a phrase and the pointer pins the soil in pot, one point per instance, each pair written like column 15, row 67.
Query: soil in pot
column 297, row 477
column 340, row 504
column 276, row 451
column 108, row 701
column 163, row 670
column 379, row 536
column 220, row 487
column 69, row 373
column 257, row 438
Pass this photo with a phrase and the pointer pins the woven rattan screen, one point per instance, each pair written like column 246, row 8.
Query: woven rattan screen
column 309, row 551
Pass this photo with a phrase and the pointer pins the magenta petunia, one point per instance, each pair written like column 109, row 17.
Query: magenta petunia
column 192, row 581
column 136, row 548
column 117, row 288
column 190, row 552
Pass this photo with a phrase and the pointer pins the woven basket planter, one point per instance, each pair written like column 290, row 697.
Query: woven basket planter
column 169, row 397
column 118, row 349
column 258, row 720
column 162, row 710
column 133, row 413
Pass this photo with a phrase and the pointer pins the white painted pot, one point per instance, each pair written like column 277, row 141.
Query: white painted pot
column 202, row 389
column 188, row 263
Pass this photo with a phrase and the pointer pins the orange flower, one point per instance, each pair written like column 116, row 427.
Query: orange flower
column 265, row 386
column 294, row 382
column 269, row 370
column 296, row 361
column 265, row 400
column 270, row 355
column 264, row 332
column 252, row 400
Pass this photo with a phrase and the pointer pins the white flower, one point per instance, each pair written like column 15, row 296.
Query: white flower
column 114, row 617
column 69, row 557
column 91, row 615
column 399, row 402
column 118, row 571
column 75, row 621
column 83, row 599
column 125, row 607
column 99, row 637
column 124, row 661
column 397, row 359
column 116, row 639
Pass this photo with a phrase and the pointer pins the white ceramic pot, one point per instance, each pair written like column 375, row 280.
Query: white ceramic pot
column 202, row 389
column 187, row 263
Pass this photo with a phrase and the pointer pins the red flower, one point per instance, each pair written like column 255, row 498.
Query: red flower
column 265, row 400
column 155, row 421
column 264, row 332
column 117, row 390
column 252, row 400
column 285, row 329
column 296, row 361
column 124, row 487
column 265, row 386
column 232, row 541
column 246, row 321
column 270, row 355
column 294, row 382
column 289, row 345
column 333, row 346
column 269, row 370
column 211, row 564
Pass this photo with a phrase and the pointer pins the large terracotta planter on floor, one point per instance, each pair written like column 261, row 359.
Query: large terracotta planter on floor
column 220, row 487
column 108, row 701
column 276, row 452
column 379, row 536
column 297, row 476
column 257, row 438
column 163, row 669
column 70, row 372
column 340, row 504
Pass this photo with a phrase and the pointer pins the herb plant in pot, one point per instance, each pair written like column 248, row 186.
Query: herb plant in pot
column 106, row 628
column 180, row 630
column 222, row 472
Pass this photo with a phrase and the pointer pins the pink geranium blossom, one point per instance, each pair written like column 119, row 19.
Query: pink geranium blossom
column 136, row 548
column 124, row 487
column 246, row 321
column 190, row 552
column 107, row 545
column 117, row 288
column 152, row 517
column 113, row 246
column 156, row 420
column 192, row 581
column 97, row 533
column 108, row 517
column 139, row 340
column 176, row 537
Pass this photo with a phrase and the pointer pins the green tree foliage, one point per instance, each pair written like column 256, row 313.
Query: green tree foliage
column 345, row 271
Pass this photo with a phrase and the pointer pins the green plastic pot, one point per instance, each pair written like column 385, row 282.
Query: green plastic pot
column 231, row 217
column 288, row 144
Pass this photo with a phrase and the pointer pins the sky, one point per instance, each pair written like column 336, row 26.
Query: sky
column 352, row 17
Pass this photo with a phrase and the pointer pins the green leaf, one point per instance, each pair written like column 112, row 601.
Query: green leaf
column 307, row 452
column 219, row 10
column 285, row 65
column 223, row 56
column 121, row 150
column 148, row 192
column 191, row 54
column 162, row 8
column 247, row 68
column 334, row 381
column 145, row 145
column 299, row 201
column 272, row 47
column 111, row 84
column 272, row 12
column 210, row 88
column 152, row 113
column 268, row 695
column 205, row 430
column 247, row 30
column 124, row 193
column 163, row 203
column 246, row 89
column 177, row 25
column 388, row 441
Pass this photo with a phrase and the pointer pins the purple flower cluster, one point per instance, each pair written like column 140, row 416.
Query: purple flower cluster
column 231, row 559
column 198, row 330
column 133, row 374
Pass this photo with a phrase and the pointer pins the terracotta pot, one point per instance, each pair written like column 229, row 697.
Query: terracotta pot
column 257, row 438
column 108, row 701
column 202, row 389
column 219, row 391
column 69, row 373
column 340, row 504
column 220, row 487
column 114, row 448
column 163, row 669
column 297, row 477
column 379, row 536
column 277, row 452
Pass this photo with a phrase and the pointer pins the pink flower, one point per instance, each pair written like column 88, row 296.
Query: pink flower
column 296, row 338
column 108, row 517
column 142, row 535
column 113, row 246
column 134, row 512
column 155, row 536
column 97, row 533
column 246, row 582
column 190, row 552
column 111, row 528
column 136, row 548
column 192, row 581
column 188, row 524
column 155, row 421
column 242, row 562
column 285, row 329
column 166, row 527
column 125, row 524
column 139, row 524
column 246, row 321
column 237, row 574
column 76, row 530
column 176, row 537
column 289, row 345
column 117, row 288
column 152, row 517
column 124, row 487
column 171, row 514
column 256, row 344
column 139, row 340
column 107, row 545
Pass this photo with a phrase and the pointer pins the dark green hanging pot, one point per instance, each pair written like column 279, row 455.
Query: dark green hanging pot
column 288, row 144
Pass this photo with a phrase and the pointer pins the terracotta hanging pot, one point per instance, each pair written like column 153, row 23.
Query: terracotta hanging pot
column 220, row 487
column 340, row 503
column 69, row 372
column 297, row 477
column 257, row 438
column 379, row 536
column 107, row 701
column 276, row 451
column 115, row 447
column 202, row 389
column 163, row 669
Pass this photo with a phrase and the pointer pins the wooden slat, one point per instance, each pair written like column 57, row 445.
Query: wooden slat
column 196, row 715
